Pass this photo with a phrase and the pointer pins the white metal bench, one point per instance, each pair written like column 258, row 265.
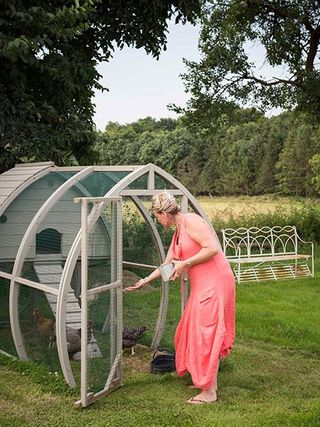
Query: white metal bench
column 268, row 253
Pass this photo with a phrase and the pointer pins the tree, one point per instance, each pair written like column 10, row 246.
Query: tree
column 240, row 159
column 203, row 168
column 273, row 133
column 164, row 142
column 48, row 53
column 294, row 168
column 315, row 166
column 226, row 78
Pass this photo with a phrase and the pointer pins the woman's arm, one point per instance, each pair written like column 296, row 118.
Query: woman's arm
column 152, row 276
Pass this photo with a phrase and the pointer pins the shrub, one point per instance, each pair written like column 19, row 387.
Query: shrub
column 306, row 219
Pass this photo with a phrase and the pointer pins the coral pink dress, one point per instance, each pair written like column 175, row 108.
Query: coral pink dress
column 206, row 330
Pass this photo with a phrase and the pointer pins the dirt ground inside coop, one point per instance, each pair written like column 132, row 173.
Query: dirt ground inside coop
column 139, row 362
column 129, row 278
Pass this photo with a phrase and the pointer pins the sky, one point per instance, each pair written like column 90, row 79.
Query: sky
column 141, row 86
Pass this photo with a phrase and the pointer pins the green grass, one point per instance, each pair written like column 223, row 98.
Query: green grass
column 271, row 378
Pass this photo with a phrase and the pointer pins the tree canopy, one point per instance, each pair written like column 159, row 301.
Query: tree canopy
column 226, row 77
column 48, row 54
column 252, row 155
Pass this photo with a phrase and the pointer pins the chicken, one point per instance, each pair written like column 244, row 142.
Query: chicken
column 45, row 326
column 74, row 338
column 130, row 337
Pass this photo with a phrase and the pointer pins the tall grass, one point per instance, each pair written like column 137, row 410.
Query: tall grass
column 305, row 218
column 234, row 212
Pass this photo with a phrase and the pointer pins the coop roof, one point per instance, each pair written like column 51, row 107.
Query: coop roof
column 15, row 180
column 148, row 180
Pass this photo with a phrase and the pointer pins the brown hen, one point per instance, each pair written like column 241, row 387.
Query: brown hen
column 45, row 326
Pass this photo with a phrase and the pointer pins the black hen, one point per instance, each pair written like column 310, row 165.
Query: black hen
column 130, row 337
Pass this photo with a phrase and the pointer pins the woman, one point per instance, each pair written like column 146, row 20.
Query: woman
column 206, row 330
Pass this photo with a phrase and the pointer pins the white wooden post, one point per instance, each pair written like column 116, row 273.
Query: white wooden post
column 84, row 301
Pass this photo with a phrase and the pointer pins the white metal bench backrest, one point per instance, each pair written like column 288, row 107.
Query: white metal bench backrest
column 252, row 242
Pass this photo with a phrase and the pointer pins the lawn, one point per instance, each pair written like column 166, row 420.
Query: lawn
column 272, row 377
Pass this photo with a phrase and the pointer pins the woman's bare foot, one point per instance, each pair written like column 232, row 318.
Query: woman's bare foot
column 206, row 396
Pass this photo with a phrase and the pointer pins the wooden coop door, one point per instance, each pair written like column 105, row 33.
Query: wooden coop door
column 101, row 297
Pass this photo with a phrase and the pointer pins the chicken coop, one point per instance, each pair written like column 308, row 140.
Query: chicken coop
column 71, row 239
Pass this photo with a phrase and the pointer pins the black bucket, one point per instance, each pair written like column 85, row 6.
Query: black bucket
column 163, row 363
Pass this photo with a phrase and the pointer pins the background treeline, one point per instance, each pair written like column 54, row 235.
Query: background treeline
column 253, row 155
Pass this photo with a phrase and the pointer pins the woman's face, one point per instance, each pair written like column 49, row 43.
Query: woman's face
column 163, row 218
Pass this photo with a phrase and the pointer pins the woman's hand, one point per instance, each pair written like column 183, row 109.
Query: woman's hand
column 179, row 268
column 138, row 285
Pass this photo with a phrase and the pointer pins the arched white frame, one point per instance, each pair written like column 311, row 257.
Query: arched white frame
column 20, row 258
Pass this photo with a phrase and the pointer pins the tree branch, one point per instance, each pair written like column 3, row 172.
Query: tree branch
column 272, row 83
column 225, row 87
column 313, row 49
column 314, row 32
